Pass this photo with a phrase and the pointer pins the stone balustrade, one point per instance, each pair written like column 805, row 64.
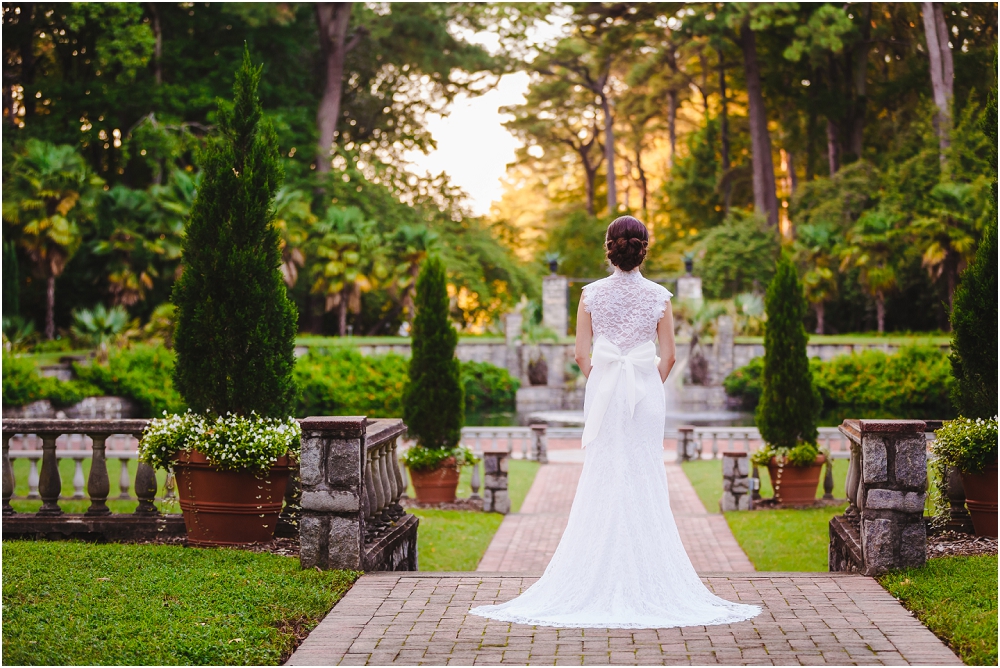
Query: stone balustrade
column 98, row 522
column 351, row 485
column 883, row 527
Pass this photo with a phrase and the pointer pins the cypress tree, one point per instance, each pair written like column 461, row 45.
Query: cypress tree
column 434, row 401
column 974, row 315
column 235, row 336
column 789, row 404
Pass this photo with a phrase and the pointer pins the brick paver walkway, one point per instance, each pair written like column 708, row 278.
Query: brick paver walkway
column 526, row 540
column 808, row 619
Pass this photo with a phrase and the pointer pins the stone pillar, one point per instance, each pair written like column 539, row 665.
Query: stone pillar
column 513, row 322
column 689, row 288
column 722, row 349
column 495, row 463
column 330, row 472
column 685, row 443
column 736, row 486
column 540, row 440
column 888, row 479
column 555, row 303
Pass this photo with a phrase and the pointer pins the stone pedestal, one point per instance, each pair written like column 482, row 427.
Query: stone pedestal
column 496, row 498
column 555, row 303
column 347, row 520
column 689, row 288
column 886, row 483
column 736, row 487
column 722, row 349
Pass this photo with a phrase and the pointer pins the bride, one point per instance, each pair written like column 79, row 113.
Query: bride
column 620, row 562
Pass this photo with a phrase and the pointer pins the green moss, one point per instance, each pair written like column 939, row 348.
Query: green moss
column 77, row 603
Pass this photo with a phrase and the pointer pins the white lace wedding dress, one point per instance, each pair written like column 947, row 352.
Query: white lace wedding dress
column 620, row 562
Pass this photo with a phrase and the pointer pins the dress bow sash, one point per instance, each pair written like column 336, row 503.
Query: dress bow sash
column 608, row 357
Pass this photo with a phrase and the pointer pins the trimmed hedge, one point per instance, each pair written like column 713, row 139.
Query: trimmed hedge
column 915, row 376
column 332, row 381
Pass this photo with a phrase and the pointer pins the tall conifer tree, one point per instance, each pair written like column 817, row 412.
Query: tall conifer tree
column 434, row 400
column 789, row 404
column 236, row 326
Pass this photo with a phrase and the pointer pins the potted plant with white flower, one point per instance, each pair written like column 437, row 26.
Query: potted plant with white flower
column 970, row 446
column 231, row 472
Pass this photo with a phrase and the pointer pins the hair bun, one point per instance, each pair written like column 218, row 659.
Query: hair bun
column 626, row 244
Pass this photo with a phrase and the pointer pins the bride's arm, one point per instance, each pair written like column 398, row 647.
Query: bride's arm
column 584, row 333
column 665, row 335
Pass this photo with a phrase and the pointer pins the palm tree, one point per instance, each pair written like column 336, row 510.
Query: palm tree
column 350, row 261
column 815, row 248
column 872, row 246
column 406, row 248
column 951, row 229
column 48, row 191
column 294, row 218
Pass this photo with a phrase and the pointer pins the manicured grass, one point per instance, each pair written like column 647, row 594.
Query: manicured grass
column 327, row 341
column 79, row 603
column 774, row 540
column 956, row 597
column 706, row 477
column 455, row 540
column 785, row 540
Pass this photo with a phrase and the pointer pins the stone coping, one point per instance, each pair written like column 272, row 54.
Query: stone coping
column 854, row 429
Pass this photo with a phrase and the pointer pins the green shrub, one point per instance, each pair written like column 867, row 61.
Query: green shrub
column 789, row 404
column 236, row 325
column 488, row 387
column 142, row 373
column 433, row 401
column 917, row 375
column 744, row 383
column 22, row 384
column 342, row 381
column 428, row 459
column 974, row 319
column 970, row 445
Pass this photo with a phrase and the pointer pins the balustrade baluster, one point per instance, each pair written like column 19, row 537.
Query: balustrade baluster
column 8, row 476
column 475, row 482
column 399, row 471
column 370, row 488
column 33, row 478
column 387, row 479
column 715, row 445
column 853, row 483
column 170, row 484
column 123, row 479
column 145, row 489
column 49, row 481
column 98, row 484
column 376, row 486
column 828, row 479
column 405, row 480
column 78, row 478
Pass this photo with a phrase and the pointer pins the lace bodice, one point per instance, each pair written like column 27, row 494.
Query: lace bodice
column 625, row 308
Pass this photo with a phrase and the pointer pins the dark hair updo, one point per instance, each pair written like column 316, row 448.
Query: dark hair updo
column 626, row 242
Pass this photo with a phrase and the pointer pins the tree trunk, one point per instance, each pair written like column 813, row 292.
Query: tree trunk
column 590, row 172
column 50, row 308
column 609, row 153
column 859, row 67
column 833, row 146
column 342, row 313
column 764, row 195
column 880, row 311
column 154, row 10
column 672, row 125
column 810, row 144
column 643, row 183
column 332, row 18
column 727, row 186
column 820, row 309
column 947, row 63
column 792, row 176
column 939, row 86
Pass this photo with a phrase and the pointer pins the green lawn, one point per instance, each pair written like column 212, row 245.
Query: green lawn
column 774, row 540
column 956, row 597
column 455, row 540
column 80, row 603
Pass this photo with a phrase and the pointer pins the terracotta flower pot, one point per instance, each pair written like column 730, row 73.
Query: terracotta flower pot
column 795, row 485
column 437, row 486
column 981, row 498
column 228, row 507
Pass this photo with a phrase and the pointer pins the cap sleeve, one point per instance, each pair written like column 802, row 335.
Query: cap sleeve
column 662, row 297
column 586, row 297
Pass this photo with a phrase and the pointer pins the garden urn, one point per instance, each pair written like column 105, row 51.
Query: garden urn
column 795, row 485
column 981, row 498
column 437, row 485
column 228, row 507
